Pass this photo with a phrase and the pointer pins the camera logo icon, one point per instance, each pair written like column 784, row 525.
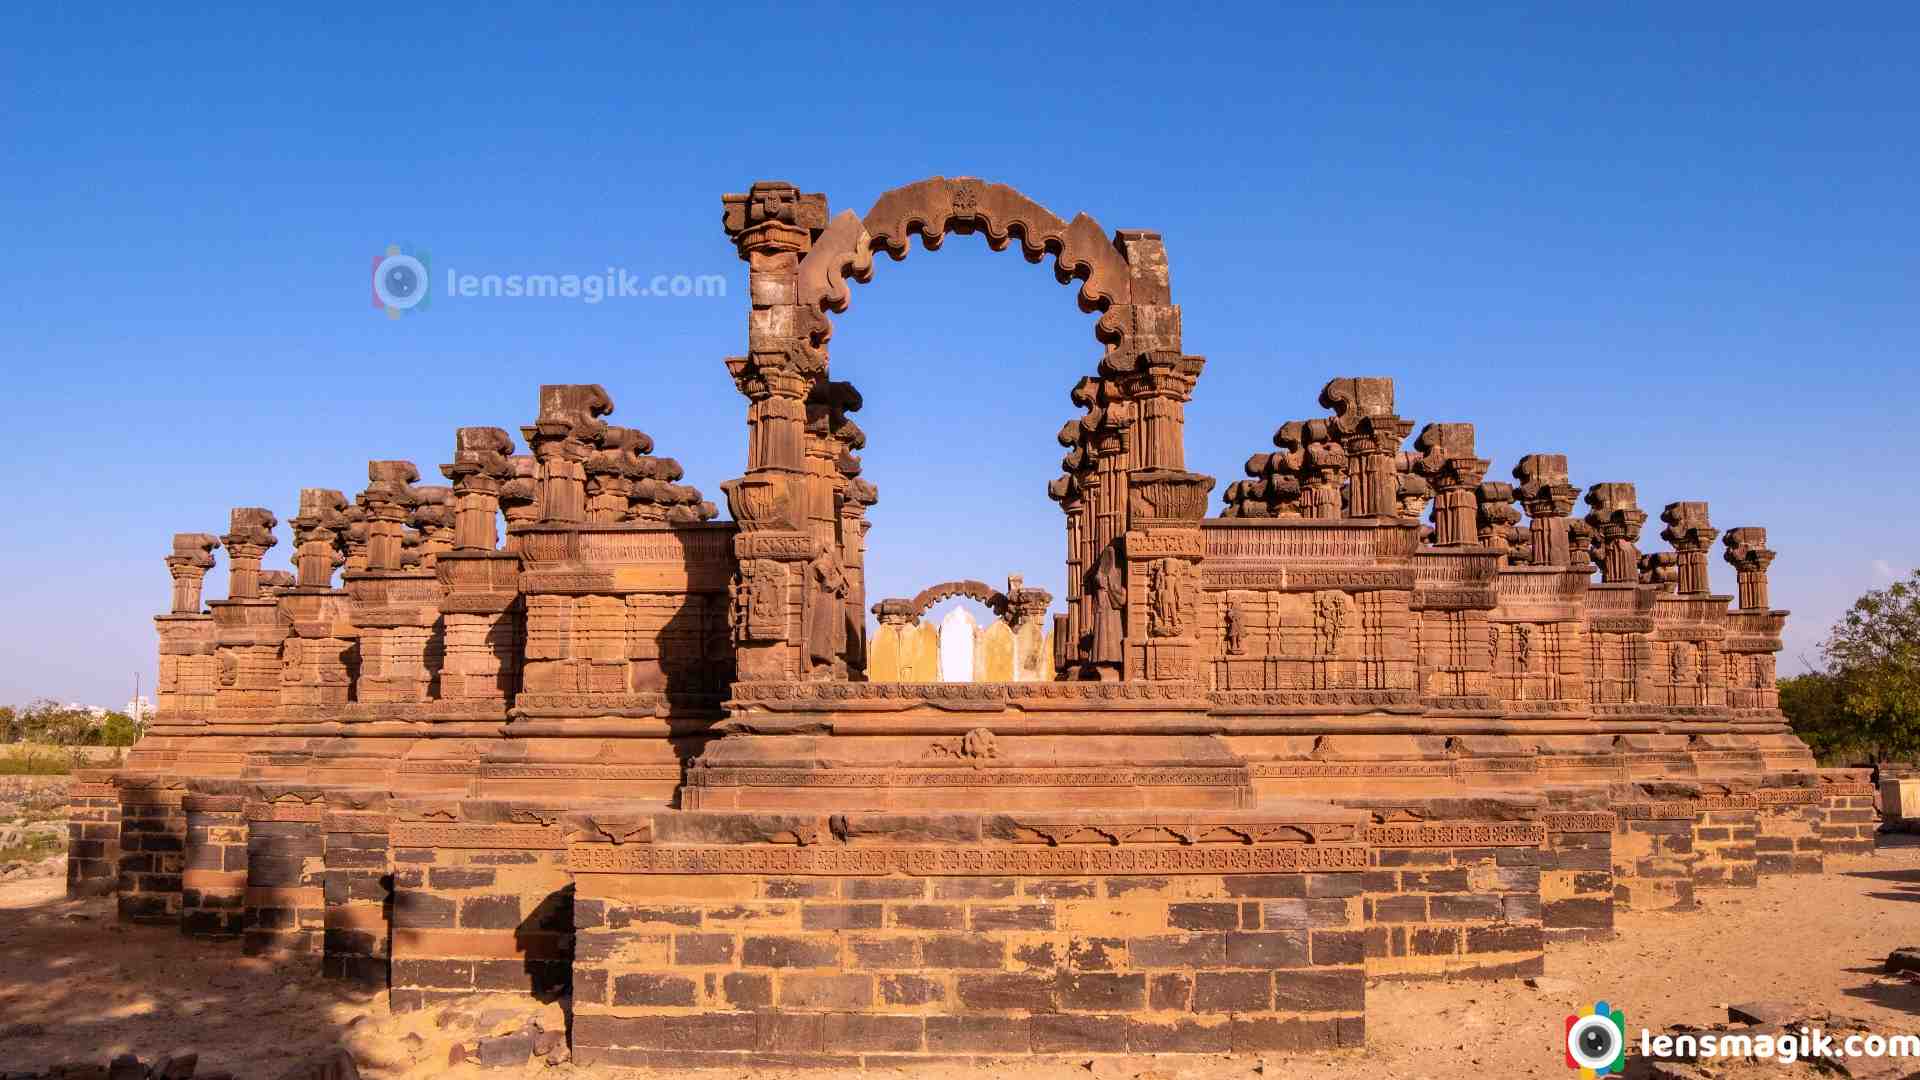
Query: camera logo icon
column 401, row 281
column 1597, row 1041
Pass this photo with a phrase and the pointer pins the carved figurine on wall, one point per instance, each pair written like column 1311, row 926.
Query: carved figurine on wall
column 1109, row 608
column 826, row 622
column 739, row 595
column 1168, row 587
column 1236, row 626
column 1330, row 621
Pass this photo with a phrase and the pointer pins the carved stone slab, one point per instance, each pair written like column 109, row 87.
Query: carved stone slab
column 958, row 861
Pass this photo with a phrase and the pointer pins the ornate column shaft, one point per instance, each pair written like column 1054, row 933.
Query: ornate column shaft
column 1549, row 498
column 1615, row 518
column 1692, row 536
column 479, row 469
column 1446, row 458
column 188, row 565
column 1749, row 556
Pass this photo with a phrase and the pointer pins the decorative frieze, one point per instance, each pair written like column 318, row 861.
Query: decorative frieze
column 930, row 861
column 416, row 834
column 1457, row 834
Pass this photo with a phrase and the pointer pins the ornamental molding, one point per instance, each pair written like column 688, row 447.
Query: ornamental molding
column 1581, row 821
column 1073, row 860
column 1458, row 834
column 731, row 776
column 435, row 835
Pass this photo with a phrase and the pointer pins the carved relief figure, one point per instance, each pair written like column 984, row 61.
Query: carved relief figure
column 826, row 624
column 1236, row 625
column 1168, row 587
column 738, row 598
column 1523, row 646
column 1329, row 621
column 1681, row 661
column 1110, row 604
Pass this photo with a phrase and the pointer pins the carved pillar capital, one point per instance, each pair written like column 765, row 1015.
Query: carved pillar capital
column 319, row 536
column 1615, row 517
column 1748, row 554
column 249, row 536
column 1692, row 536
column 1549, row 498
column 479, row 469
column 1444, row 455
column 188, row 565
column 387, row 503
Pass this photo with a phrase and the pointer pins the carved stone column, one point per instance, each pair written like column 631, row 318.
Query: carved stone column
column 1749, row 556
column 478, row 471
column 1323, row 467
column 1446, row 459
column 1692, row 536
column 1160, row 388
column 520, row 496
column 185, row 690
column 853, row 559
column 1754, row 629
column 1497, row 519
column 248, row 631
column 1026, row 614
column 1164, row 548
column 1549, row 498
column 781, row 578
column 480, row 610
column 1615, row 518
column 313, row 658
column 1366, row 428
column 188, row 565
column 566, row 431
column 395, row 608
column 612, row 469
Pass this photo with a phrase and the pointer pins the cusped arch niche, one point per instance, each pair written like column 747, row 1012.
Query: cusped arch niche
column 1115, row 272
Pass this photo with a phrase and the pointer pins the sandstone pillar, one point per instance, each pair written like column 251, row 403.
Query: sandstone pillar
column 1446, row 459
column 1365, row 426
column 480, row 611
column 247, row 627
column 1549, row 498
column 214, row 884
column 1691, row 535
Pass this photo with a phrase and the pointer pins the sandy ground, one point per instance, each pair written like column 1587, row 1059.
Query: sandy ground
column 76, row 984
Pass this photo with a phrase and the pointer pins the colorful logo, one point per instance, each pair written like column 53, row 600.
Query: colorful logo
column 400, row 281
column 1597, row 1041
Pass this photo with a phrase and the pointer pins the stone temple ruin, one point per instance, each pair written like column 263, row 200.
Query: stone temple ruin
column 626, row 755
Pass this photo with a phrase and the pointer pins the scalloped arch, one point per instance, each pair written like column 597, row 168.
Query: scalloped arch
column 980, row 591
column 939, row 205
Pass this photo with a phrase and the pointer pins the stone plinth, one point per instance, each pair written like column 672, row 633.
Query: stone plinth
column 482, row 902
column 214, row 886
column 286, row 872
column 889, row 939
column 93, row 833
column 153, row 840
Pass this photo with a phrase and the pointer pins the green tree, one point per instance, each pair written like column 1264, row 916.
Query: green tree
column 1874, row 654
column 118, row 729
column 1816, row 707
column 9, row 724
column 48, row 721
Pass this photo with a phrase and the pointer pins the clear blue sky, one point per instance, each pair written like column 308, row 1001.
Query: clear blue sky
column 1678, row 243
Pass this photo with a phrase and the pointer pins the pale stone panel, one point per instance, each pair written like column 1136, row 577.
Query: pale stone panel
column 957, row 632
column 920, row 654
column 996, row 653
column 884, row 653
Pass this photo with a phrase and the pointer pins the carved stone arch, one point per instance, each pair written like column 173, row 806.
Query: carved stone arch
column 1081, row 248
column 992, row 598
